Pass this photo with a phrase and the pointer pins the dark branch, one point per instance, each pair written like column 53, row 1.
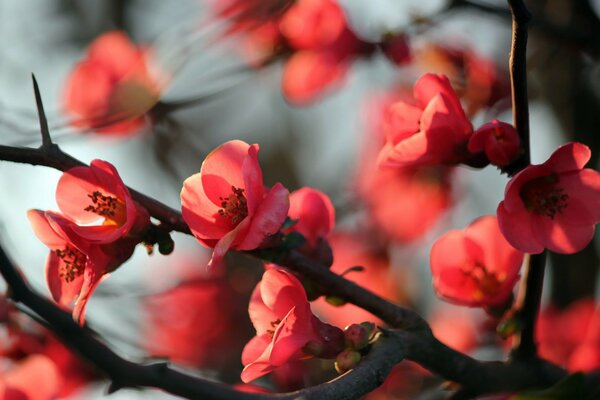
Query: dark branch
column 528, row 305
column 518, row 80
column 370, row 373
column 55, row 158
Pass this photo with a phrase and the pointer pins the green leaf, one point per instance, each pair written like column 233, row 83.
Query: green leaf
column 568, row 388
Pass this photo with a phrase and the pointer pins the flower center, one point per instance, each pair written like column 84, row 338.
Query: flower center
column 109, row 207
column 274, row 325
column 73, row 263
column 542, row 196
column 234, row 207
column 487, row 282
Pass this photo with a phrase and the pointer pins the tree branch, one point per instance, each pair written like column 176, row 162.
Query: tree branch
column 55, row 158
column 369, row 374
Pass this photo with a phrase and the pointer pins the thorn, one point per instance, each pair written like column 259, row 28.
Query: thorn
column 113, row 387
column 46, row 140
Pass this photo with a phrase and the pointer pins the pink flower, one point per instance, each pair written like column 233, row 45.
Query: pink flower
column 98, row 201
column 34, row 378
column 175, row 322
column 350, row 249
column 314, row 212
column 323, row 45
column 285, row 326
column 498, row 140
column 476, row 266
column 75, row 267
column 553, row 205
column 586, row 356
column 112, row 88
column 569, row 337
column 226, row 205
column 432, row 130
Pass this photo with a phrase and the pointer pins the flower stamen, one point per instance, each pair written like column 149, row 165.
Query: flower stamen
column 487, row 282
column 542, row 196
column 73, row 263
column 234, row 207
column 109, row 207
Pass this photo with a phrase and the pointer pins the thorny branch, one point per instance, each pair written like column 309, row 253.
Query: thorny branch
column 411, row 339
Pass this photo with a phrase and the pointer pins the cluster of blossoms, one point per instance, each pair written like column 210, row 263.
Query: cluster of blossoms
column 227, row 206
column 95, row 232
column 314, row 34
column 31, row 354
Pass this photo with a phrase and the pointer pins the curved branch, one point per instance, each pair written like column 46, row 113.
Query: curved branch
column 370, row 373
column 52, row 156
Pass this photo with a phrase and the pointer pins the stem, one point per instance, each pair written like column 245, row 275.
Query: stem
column 518, row 81
column 528, row 302
column 528, row 305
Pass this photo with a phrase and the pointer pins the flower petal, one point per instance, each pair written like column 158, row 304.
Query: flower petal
column 269, row 217
column 517, row 229
column 63, row 292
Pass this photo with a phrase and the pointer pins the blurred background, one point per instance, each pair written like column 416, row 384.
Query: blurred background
column 218, row 74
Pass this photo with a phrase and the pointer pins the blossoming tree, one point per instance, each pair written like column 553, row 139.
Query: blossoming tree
column 321, row 298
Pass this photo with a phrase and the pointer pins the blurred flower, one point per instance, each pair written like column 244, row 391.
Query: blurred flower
column 554, row 205
column 314, row 212
column 569, row 337
column 476, row 266
column 35, row 377
column 477, row 80
column 455, row 327
column 75, row 267
column 176, row 321
column 286, row 328
column 113, row 87
column 226, row 205
column 498, row 140
column 350, row 250
column 323, row 47
column 404, row 202
column 404, row 382
column 31, row 354
column 100, row 204
column 433, row 130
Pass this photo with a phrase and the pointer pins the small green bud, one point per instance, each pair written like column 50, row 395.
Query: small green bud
column 346, row 360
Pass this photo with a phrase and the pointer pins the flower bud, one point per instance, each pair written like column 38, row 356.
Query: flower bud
column 357, row 336
column 346, row 360
column 498, row 140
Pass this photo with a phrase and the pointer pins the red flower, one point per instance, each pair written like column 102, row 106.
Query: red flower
column 586, row 356
column 285, row 325
column 112, row 88
column 553, row 205
column 314, row 212
column 349, row 250
column 433, row 130
column 498, row 140
column 324, row 46
column 175, row 323
column 75, row 267
column 404, row 203
column 226, row 205
column 34, row 378
column 96, row 198
column 476, row 266
column 569, row 337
